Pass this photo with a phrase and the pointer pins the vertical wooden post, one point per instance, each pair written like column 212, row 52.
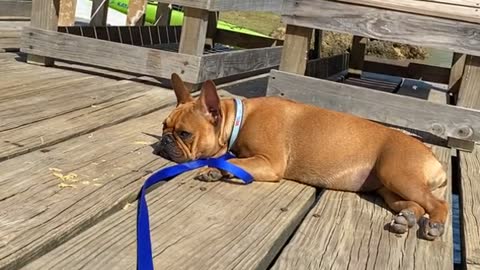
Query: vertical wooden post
column 66, row 15
column 317, row 44
column 136, row 12
column 194, row 31
column 44, row 16
column 163, row 15
column 357, row 55
column 456, row 73
column 469, row 94
column 98, row 16
column 211, row 28
column 295, row 49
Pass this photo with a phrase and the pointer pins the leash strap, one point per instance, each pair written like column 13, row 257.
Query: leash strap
column 144, row 244
column 237, row 123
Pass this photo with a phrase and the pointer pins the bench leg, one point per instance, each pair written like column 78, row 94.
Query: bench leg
column 295, row 49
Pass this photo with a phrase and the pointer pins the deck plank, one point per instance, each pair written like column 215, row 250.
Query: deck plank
column 39, row 210
column 347, row 231
column 470, row 194
column 195, row 225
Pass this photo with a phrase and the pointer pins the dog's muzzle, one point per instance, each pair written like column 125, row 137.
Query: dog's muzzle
column 168, row 149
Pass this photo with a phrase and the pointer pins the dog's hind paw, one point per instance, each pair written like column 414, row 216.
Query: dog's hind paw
column 403, row 221
column 431, row 230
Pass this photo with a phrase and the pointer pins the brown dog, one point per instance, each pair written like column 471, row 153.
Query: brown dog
column 280, row 139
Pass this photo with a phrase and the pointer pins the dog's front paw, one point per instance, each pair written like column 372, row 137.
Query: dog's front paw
column 431, row 230
column 209, row 175
column 403, row 221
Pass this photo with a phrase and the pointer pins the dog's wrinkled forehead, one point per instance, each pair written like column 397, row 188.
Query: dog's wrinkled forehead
column 184, row 114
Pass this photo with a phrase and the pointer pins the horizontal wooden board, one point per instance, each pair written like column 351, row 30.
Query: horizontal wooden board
column 10, row 32
column 438, row 119
column 470, row 195
column 462, row 37
column 13, row 8
column 51, row 195
column 109, row 54
column 226, row 5
column 194, row 225
column 429, row 8
column 243, row 40
column 347, row 231
column 225, row 64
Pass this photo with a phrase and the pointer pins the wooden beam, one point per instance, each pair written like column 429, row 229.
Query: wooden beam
column 107, row 54
column 295, row 49
column 66, row 15
column 98, row 16
column 456, row 73
column 163, row 15
column 226, row 64
column 245, row 41
column 443, row 10
column 317, row 43
column 469, row 94
column 12, row 9
column 357, row 56
column 44, row 16
column 212, row 29
column 461, row 37
column 231, row 5
column 325, row 67
column 443, row 121
column 194, row 31
column 136, row 12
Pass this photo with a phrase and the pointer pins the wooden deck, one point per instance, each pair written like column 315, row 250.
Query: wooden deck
column 76, row 147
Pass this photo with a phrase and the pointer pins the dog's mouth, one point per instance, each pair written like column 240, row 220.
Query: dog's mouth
column 168, row 149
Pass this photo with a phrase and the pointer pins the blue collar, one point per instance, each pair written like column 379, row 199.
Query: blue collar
column 237, row 122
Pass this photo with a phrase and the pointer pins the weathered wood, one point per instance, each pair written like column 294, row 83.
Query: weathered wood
column 407, row 69
column 66, row 16
column 136, row 12
column 469, row 94
column 194, row 225
column 231, row 5
column 98, row 16
column 10, row 32
column 429, row 8
column 194, row 31
column 163, row 15
column 13, row 8
column 456, row 72
column 461, row 37
column 106, row 54
column 317, row 43
column 357, row 55
column 470, row 195
column 211, row 29
column 438, row 119
column 244, row 41
column 226, row 64
column 347, row 231
column 295, row 49
column 44, row 16
column 327, row 66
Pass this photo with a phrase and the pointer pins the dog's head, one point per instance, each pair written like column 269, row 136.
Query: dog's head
column 193, row 129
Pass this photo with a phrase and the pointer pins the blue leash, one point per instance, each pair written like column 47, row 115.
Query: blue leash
column 144, row 244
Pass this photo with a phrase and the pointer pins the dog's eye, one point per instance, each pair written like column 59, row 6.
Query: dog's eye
column 184, row 135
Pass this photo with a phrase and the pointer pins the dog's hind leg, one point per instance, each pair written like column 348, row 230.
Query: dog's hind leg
column 408, row 212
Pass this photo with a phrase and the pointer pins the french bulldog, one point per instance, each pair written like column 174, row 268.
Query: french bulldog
column 283, row 139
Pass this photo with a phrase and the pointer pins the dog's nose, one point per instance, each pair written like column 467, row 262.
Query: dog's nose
column 167, row 139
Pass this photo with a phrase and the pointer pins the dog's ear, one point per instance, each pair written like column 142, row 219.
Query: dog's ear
column 181, row 92
column 209, row 101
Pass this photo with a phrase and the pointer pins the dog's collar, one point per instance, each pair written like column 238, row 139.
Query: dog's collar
column 236, row 123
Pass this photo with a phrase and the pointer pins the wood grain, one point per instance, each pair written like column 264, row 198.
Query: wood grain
column 295, row 49
column 226, row 64
column 163, row 14
column 429, row 8
column 10, row 32
column 461, row 37
column 231, row 5
column 106, row 54
column 456, row 72
column 194, row 225
column 194, row 31
column 470, row 195
column 438, row 119
column 44, row 16
column 109, row 165
column 244, row 41
column 357, row 55
column 12, row 8
column 347, row 231
column 469, row 94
